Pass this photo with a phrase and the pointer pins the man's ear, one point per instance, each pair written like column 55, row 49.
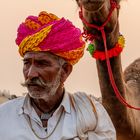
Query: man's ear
column 66, row 70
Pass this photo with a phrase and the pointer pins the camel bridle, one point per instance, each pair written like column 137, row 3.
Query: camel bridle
column 101, row 28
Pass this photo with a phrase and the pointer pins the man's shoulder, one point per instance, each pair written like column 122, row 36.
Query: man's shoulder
column 84, row 96
column 84, row 107
column 86, row 101
column 11, row 105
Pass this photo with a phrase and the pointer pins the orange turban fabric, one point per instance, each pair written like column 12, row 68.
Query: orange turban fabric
column 47, row 32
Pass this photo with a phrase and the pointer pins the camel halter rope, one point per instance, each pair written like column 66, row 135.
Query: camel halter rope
column 101, row 28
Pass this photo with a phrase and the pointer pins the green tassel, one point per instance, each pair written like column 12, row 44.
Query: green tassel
column 91, row 48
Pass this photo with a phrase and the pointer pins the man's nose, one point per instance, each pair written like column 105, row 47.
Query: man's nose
column 32, row 72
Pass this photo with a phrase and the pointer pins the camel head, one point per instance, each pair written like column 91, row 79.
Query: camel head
column 96, row 12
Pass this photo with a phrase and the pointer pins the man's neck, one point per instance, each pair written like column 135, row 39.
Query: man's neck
column 42, row 106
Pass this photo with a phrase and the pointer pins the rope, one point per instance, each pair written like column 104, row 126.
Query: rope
column 101, row 28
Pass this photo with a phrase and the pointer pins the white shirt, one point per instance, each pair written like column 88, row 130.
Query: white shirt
column 19, row 121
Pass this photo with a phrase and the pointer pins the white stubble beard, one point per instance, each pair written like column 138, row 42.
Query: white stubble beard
column 51, row 88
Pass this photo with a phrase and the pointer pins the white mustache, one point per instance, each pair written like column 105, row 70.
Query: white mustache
column 34, row 81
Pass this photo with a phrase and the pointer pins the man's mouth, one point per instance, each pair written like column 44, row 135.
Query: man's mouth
column 35, row 86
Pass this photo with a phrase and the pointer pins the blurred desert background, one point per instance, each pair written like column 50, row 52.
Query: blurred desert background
column 84, row 76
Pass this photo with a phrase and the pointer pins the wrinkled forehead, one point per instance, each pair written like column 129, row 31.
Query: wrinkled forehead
column 42, row 56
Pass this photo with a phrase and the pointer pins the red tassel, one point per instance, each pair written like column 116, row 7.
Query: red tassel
column 111, row 53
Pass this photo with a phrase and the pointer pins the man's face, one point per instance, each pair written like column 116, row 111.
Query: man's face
column 42, row 73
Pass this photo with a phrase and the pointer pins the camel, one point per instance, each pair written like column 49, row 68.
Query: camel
column 125, row 120
column 5, row 96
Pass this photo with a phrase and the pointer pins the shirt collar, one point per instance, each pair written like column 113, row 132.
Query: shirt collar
column 26, row 107
column 66, row 102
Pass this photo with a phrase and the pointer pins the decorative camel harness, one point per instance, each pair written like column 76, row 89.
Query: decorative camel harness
column 92, row 37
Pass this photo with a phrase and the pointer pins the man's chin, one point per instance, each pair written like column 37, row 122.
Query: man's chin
column 36, row 95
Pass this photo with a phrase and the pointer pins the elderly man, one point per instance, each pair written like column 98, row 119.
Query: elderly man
column 50, row 46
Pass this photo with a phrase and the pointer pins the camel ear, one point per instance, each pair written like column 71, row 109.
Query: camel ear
column 66, row 70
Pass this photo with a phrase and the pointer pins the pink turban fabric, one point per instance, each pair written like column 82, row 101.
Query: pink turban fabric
column 47, row 32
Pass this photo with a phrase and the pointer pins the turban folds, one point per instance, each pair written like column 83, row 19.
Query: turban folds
column 47, row 32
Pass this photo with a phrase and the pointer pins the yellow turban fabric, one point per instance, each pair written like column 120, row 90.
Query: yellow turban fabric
column 47, row 32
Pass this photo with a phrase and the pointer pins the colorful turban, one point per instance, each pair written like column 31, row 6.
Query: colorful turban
column 47, row 32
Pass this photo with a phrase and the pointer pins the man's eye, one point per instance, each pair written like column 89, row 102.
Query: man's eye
column 44, row 63
column 25, row 62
